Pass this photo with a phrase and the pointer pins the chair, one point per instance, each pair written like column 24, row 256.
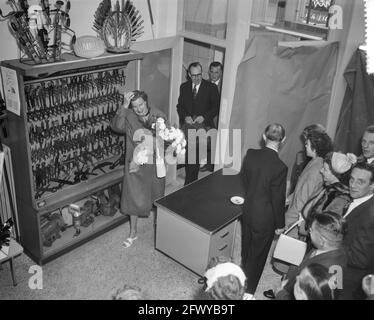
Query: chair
column 15, row 249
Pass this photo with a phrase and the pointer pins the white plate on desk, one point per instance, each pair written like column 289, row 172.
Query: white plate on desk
column 237, row 200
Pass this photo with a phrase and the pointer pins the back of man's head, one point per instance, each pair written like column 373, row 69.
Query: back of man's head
column 275, row 132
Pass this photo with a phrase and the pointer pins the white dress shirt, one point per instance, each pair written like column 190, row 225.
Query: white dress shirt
column 355, row 203
column 370, row 160
column 197, row 87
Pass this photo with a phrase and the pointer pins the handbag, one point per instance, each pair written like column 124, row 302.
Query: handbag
column 289, row 249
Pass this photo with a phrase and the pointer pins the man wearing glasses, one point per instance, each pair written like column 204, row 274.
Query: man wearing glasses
column 198, row 104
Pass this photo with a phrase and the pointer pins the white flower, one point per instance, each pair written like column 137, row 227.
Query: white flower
column 141, row 156
column 352, row 158
column 162, row 126
column 160, row 120
column 179, row 149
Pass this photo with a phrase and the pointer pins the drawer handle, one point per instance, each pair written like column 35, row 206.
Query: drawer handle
column 224, row 247
column 225, row 235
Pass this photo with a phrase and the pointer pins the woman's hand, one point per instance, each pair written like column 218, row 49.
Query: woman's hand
column 128, row 97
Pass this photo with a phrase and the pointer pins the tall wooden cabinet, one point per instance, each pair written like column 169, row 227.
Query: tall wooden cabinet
column 63, row 150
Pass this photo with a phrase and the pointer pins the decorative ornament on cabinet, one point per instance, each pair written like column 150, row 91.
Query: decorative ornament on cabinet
column 118, row 27
column 39, row 30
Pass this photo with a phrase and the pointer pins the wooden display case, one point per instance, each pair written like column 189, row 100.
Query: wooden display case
column 63, row 150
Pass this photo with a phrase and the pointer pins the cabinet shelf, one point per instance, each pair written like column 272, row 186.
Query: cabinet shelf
column 63, row 149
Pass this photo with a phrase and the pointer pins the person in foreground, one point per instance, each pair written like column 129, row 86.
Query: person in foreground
column 140, row 186
column 327, row 233
column 225, row 280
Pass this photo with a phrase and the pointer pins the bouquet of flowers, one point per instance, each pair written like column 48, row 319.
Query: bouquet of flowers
column 171, row 136
column 168, row 140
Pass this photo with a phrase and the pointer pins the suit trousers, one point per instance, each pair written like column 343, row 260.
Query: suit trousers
column 255, row 249
column 192, row 170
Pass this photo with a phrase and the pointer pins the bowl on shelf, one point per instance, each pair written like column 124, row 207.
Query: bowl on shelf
column 89, row 47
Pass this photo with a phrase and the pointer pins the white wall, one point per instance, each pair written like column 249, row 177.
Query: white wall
column 82, row 15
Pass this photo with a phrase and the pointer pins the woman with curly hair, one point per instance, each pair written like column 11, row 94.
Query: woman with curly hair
column 310, row 182
column 141, row 185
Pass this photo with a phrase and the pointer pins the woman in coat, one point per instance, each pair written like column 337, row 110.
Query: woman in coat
column 141, row 186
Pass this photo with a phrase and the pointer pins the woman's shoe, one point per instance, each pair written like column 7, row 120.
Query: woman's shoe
column 269, row 294
column 128, row 242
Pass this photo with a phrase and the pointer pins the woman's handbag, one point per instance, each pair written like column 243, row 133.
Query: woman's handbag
column 289, row 249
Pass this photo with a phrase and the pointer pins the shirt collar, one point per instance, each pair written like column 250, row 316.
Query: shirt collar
column 369, row 160
column 197, row 86
column 362, row 200
column 272, row 148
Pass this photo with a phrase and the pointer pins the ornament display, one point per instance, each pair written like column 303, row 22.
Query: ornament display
column 118, row 26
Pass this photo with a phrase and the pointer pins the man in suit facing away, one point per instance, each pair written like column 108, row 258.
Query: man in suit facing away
column 264, row 177
column 198, row 104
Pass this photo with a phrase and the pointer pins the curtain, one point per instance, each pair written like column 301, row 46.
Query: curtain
column 287, row 85
column 357, row 110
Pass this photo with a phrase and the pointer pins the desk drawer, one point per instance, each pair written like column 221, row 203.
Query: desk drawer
column 221, row 243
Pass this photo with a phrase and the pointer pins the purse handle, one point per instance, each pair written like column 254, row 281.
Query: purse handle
column 293, row 226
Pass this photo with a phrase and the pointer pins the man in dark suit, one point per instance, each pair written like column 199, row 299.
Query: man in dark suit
column 359, row 241
column 264, row 178
column 367, row 145
column 215, row 76
column 198, row 104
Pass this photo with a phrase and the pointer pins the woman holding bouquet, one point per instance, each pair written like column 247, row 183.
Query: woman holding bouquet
column 141, row 185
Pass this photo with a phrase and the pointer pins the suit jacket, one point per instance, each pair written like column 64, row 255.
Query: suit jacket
column 331, row 258
column 264, row 178
column 359, row 241
column 206, row 103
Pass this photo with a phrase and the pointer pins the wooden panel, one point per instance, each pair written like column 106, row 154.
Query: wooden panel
column 206, row 202
column 222, row 242
column 70, row 62
column 182, row 241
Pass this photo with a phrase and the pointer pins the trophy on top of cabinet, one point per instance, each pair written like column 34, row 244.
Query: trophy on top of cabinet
column 119, row 27
column 39, row 30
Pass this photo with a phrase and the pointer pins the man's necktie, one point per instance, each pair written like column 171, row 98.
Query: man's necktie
column 194, row 92
column 346, row 207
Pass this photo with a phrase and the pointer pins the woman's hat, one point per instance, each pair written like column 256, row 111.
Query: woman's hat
column 222, row 270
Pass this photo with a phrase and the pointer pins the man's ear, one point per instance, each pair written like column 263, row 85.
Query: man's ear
column 372, row 187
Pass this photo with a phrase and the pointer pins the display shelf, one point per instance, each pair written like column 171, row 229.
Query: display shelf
column 62, row 145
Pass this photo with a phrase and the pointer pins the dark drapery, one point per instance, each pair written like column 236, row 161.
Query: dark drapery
column 357, row 110
column 287, row 85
